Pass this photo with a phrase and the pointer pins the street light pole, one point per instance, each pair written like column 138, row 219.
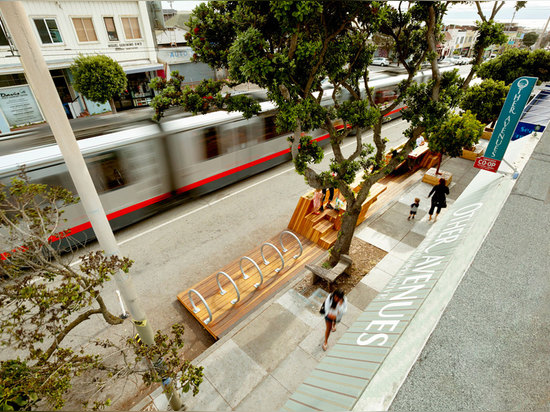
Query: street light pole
column 41, row 83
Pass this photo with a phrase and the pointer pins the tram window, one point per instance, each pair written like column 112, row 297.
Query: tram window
column 107, row 173
column 211, row 142
column 386, row 95
column 270, row 129
column 241, row 137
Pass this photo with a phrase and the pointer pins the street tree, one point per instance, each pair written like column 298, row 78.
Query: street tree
column 44, row 299
column 98, row 78
column 289, row 48
column 485, row 100
column 515, row 63
column 529, row 39
column 457, row 132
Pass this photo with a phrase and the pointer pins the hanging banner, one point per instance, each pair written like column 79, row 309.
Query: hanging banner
column 506, row 124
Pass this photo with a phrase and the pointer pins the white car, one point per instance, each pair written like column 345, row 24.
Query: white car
column 381, row 61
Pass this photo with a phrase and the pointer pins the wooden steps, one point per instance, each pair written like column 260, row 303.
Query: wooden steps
column 328, row 239
column 226, row 315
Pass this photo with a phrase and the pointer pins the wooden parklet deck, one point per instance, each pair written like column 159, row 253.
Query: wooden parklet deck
column 226, row 315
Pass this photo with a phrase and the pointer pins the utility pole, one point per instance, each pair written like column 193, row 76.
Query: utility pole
column 41, row 82
column 537, row 44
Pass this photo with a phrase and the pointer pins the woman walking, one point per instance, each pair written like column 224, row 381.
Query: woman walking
column 439, row 199
column 335, row 306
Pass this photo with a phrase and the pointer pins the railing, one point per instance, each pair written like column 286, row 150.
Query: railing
column 245, row 276
column 197, row 310
column 266, row 262
column 222, row 291
column 295, row 237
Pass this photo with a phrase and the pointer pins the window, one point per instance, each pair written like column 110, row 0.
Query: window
column 84, row 27
column 131, row 27
column 270, row 129
column 3, row 36
column 48, row 31
column 111, row 29
column 211, row 142
column 7, row 80
column 107, row 172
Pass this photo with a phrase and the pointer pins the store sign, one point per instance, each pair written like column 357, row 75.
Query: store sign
column 126, row 46
column 507, row 121
column 176, row 55
column 19, row 106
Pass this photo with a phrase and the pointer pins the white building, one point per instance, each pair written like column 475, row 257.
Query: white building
column 65, row 29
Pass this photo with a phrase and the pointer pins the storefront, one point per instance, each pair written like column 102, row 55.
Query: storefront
column 181, row 59
column 138, row 93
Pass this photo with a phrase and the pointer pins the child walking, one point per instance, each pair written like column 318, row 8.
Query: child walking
column 414, row 208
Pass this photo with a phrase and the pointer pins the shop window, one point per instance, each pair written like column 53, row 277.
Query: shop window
column 211, row 142
column 111, row 29
column 3, row 35
column 107, row 172
column 12, row 80
column 131, row 27
column 48, row 31
column 84, row 27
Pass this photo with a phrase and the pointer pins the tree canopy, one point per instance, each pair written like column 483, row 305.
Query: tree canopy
column 43, row 299
column 485, row 100
column 290, row 48
column 515, row 63
column 529, row 39
column 98, row 78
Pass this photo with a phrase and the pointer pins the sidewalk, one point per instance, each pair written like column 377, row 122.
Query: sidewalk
column 264, row 359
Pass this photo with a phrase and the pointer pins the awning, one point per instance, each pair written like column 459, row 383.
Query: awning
column 142, row 68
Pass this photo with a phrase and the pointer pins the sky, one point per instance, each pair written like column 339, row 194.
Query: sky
column 533, row 16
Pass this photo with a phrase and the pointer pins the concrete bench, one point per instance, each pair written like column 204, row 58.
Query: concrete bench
column 330, row 275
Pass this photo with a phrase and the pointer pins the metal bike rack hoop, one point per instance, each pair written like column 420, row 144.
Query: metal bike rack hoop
column 245, row 276
column 295, row 237
column 197, row 310
column 266, row 262
column 222, row 291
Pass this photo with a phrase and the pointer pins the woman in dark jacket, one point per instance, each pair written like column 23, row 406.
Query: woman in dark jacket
column 438, row 200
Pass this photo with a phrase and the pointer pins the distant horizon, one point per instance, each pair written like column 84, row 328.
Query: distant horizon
column 460, row 14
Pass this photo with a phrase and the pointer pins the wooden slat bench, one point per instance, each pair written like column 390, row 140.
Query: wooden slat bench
column 330, row 275
column 225, row 314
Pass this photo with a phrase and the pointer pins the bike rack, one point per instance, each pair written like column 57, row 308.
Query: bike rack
column 245, row 276
column 222, row 291
column 295, row 237
column 197, row 310
column 266, row 262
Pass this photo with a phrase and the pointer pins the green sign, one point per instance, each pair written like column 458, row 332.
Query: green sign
column 509, row 116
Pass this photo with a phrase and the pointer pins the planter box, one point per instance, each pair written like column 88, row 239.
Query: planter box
column 431, row 178
column 487, row 133
column 473, row 154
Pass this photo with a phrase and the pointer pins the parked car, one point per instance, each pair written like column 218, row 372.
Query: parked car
column 454, row 60
column 381, row 61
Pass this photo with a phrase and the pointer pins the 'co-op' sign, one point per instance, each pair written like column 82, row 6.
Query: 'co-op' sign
column 506, row 124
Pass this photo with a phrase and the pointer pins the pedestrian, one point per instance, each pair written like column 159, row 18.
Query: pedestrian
column 334, row 308
column 317, row 201
column 414, row 208
column 439, row 199
column 420, row 141
column 330, row 197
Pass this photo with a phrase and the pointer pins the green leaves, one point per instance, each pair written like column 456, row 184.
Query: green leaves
column 515, row 63
column 485, row 100
column 308, row 152
column 456, row 133
column 98, row 78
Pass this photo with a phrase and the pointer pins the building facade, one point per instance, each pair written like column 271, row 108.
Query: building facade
column 67, row 29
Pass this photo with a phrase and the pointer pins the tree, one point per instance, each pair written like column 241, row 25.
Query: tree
column 457, row 132
column 44, row 298
column 98, row 78
column 289, row 48
column 485, row 100
column 529, row 39
column 515, row 63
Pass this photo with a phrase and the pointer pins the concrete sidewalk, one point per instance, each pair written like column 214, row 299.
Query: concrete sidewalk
column 265, row 358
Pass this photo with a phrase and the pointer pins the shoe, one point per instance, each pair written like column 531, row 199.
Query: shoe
column 316, row 213
column 324, row 347
column 333, row 329
column 321, row 209
column 409, row 218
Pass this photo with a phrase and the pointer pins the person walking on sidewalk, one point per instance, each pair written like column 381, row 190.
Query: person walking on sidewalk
column 439, row 199
column 334, row 307
column 414, row 208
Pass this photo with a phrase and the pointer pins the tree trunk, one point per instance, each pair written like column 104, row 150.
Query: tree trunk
column 345, row 235
column 112, row 103
column 438, row 164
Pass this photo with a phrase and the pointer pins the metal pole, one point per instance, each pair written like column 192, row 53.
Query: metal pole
column 41, row 82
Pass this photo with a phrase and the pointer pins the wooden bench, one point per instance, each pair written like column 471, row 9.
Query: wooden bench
column 330, row 275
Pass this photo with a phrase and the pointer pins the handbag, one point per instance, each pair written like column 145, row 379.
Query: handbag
column 444, row 204
column 322, row 310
